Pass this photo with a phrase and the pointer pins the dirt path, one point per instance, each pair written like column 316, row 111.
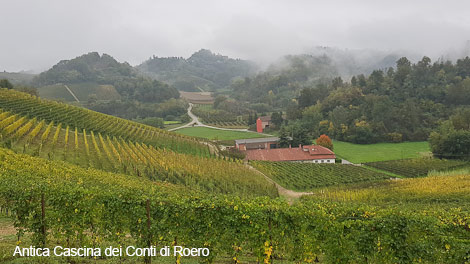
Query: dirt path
column 70, row 91
column 289, row 194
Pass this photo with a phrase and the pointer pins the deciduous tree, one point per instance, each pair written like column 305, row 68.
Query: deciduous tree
column 324, row 141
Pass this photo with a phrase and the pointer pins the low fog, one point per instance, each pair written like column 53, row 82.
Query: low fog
column 37, row 34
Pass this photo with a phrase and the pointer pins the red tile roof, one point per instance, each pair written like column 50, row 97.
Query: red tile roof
column 265, row 118
column 311, row 152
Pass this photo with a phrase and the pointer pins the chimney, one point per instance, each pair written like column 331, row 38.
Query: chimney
column 290, row 146
column 300, row 146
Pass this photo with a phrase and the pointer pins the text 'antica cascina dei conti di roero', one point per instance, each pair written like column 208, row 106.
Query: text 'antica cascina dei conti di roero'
column 129, row 251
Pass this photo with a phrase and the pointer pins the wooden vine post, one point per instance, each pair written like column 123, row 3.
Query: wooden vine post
column 148, row 259
column 43, row 220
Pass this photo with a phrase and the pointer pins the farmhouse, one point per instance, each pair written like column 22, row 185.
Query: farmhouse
column 310, row 154
column 198, row 97
column 257, row 143
column 262, row 123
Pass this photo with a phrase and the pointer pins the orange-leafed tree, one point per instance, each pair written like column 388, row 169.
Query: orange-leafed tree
column 325, row 141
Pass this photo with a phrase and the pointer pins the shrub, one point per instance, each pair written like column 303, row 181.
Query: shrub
column 233, row 153
column 394, row 137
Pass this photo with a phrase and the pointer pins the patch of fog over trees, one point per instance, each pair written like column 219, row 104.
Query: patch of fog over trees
column 405, row 102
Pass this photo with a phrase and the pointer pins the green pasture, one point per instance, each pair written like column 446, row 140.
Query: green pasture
column 81, row 90
column 217, row 134
column 357, row 153
column 57, row 92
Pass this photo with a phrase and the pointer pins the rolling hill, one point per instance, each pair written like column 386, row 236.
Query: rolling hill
column 89, row 139
column 18, row 103
column 18, row 78
column 63, row 204
column 88, row 73
column 71, row 176
column 82, row 91
column 203, row 69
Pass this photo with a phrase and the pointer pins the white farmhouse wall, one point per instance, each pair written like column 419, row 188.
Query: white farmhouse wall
column 318, row 161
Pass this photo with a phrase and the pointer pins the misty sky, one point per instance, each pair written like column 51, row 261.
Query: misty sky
column 36, row 34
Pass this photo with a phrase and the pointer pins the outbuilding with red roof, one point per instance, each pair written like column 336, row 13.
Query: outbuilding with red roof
column 309, row 153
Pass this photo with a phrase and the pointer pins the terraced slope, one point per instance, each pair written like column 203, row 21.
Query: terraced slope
column 116, row 154
column 75, row 117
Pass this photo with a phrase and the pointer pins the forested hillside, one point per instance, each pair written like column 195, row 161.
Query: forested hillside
column 283, row 81
column 350, row 62
column 105, row 70
column 402, row 103
column 203, row 69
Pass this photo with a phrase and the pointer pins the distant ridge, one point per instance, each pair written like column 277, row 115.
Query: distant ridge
column 204, row 69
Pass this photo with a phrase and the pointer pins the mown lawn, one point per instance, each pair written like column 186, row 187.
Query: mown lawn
column 380, row 152
column 216, row 134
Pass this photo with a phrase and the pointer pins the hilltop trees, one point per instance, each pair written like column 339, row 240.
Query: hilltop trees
column 4, row 83
column 203, row 69
column 105, row 69
column 284, row 81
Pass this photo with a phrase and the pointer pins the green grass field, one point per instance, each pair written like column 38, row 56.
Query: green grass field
column 56, row 92
column 171, row 122
column 102, row 92
column 380, row 152
column 216, row 134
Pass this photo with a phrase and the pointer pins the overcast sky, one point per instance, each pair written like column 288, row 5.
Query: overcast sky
column 36, row 34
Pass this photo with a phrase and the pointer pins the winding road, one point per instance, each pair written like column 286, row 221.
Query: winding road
column 196, row 123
